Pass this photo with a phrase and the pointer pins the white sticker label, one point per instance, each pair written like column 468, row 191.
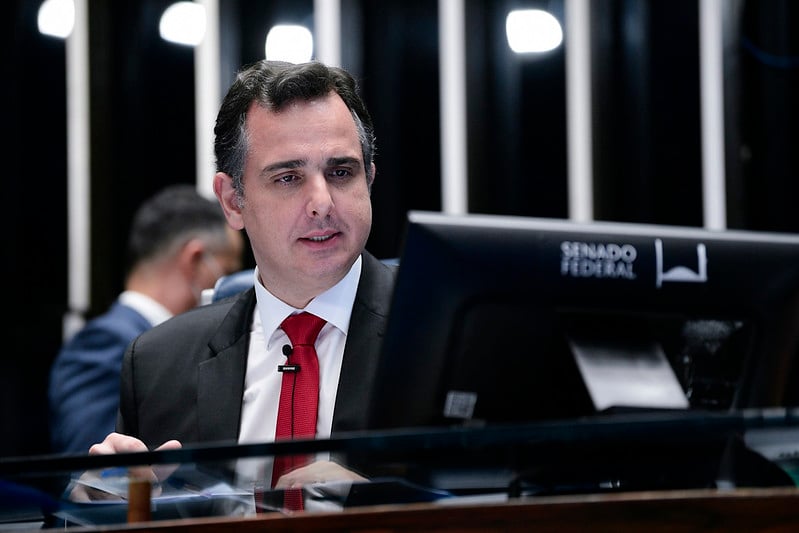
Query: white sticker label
column 460, row 404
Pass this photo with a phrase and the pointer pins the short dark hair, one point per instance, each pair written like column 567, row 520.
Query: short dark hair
column 172, row 216
column 273, row 85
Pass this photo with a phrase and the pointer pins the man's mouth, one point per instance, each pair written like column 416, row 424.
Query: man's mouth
column 320, row 238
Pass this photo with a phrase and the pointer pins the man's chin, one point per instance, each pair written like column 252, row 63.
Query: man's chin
column 330, row 269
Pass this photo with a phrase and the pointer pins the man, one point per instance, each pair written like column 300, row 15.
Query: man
column 294, row 148
column 179, row 244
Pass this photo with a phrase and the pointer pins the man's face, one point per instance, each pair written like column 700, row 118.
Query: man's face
column 307, row 209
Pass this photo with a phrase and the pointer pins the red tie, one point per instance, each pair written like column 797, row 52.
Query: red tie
column 299, row 393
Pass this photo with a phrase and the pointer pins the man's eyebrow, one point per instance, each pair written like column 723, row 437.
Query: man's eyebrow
column 299, row 163
column 283, row 165
column 336, row 161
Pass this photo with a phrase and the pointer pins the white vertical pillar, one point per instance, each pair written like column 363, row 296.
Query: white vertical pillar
column 78, row 171
column 206, row 98
column 452, row 66
column 327, row 31
column 578, row 110
column 711, row 65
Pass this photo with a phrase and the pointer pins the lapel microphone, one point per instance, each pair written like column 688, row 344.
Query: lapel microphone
column 287, row 351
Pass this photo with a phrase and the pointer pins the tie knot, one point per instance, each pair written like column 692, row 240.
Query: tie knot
column 303, row 328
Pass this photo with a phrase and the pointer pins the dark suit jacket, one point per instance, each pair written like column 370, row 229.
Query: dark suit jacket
column 185, row 378
column 84, row 379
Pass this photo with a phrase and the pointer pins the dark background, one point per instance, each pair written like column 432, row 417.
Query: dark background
column 647, row 153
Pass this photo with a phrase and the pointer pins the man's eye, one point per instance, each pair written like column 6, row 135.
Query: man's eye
column 286, row 178
column 341, row 173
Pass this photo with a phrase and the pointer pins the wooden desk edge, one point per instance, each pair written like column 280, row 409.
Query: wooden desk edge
column 751, row 509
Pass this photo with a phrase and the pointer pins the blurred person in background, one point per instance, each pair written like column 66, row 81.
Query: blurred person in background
column 179, row 244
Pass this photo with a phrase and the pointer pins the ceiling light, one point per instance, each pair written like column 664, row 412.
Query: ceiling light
column 287, row 42
column 532, row 30
column 56, row 18
column 183, row 23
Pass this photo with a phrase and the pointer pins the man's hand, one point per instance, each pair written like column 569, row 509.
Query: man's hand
column 119, row 443
column 85, row 488
column 317, row 472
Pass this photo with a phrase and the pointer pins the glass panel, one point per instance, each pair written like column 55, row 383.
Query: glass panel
column 613, row 453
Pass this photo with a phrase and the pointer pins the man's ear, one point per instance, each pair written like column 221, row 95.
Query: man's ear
column 226, row 194
column 190, row 257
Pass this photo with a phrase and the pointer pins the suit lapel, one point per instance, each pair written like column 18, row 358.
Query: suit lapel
column 220, row 384
column 364, row 342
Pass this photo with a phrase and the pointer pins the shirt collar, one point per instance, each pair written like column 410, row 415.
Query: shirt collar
column 154, row 312
column 334, row 305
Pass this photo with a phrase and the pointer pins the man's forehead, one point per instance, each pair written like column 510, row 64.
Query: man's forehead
column 315, row 122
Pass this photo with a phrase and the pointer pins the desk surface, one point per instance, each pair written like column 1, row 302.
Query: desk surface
column 749, row 510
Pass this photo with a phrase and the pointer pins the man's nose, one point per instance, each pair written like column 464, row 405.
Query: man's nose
column 320, row 201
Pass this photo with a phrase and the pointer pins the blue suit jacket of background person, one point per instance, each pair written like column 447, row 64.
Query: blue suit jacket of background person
column 84, row 380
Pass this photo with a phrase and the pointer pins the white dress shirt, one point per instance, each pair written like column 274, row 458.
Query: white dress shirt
column 154, row 312
column 262, row 381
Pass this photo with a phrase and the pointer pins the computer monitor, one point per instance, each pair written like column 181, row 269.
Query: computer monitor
column 500, row 319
